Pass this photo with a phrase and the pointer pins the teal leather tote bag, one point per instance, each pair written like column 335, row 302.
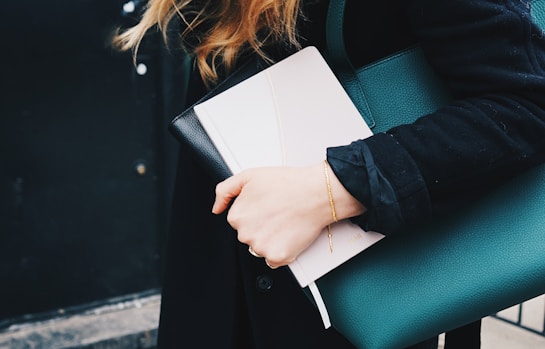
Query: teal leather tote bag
column 483, row 259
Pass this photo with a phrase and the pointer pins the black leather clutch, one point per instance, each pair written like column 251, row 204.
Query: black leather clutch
column 188, row 130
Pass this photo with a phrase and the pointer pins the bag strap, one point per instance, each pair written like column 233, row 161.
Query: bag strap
column 339, row 62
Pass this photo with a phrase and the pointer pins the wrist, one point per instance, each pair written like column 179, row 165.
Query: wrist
column 342, row 204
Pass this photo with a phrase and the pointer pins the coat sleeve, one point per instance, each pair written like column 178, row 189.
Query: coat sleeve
column 492, row 57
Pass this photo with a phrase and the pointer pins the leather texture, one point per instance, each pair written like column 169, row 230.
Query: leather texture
column 453, row 271
column 419, row 92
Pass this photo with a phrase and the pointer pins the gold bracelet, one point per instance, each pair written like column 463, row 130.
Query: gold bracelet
column 331, row 204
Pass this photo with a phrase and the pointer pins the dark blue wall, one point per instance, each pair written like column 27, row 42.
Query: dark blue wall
column 86, row 163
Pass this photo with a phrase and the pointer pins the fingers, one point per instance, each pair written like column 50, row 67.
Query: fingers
column 270, row 265
column 271, row 262
column 226, row 191
column 279, row 212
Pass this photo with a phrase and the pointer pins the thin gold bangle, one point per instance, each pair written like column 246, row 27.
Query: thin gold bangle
column 331, row 204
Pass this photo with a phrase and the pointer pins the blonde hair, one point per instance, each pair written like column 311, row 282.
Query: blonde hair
column 236, row 25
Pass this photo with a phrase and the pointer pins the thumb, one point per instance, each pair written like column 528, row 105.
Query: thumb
column 226, row 191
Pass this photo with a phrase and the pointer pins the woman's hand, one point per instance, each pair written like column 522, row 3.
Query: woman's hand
column 280, row 211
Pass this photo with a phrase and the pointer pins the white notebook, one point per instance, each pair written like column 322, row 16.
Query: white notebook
column 287, row 115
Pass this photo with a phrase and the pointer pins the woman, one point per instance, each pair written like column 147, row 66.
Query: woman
column 218, row 295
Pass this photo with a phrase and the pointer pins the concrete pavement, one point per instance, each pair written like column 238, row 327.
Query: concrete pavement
column 499, row 334
column 133, row 325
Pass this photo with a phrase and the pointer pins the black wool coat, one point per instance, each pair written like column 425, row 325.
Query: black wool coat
column 216, row 295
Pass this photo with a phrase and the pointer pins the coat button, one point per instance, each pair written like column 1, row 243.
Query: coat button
column 264, row 283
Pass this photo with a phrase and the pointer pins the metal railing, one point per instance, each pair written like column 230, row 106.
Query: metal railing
column 529, row 315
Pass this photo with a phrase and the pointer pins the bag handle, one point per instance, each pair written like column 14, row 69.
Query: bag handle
column 339, row 61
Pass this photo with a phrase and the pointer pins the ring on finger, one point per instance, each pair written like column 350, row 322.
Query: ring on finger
column 253, row 253
column 270, row 266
